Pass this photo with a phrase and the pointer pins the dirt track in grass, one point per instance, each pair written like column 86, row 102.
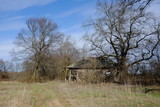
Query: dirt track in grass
column 64, row 94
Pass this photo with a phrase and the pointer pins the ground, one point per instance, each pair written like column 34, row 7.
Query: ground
column 65, row 94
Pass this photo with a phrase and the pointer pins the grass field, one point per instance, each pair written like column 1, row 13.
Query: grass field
column 64, row 94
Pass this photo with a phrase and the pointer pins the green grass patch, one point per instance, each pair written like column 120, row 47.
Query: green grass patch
column 65, row 94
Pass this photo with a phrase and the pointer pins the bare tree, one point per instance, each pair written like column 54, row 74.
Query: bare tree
column 36, row 42
column 5, row 66
column 125, row 32
column 66, row 54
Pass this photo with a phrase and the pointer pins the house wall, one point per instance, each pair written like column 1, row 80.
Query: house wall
column 81, row 74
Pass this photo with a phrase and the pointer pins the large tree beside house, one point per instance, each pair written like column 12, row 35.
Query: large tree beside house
column 124, row 31
column 35, row 43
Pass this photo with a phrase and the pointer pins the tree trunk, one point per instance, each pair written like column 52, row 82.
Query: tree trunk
column 36, row 77
column 120, row 76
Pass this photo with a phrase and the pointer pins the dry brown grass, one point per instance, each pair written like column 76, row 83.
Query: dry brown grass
column 64, row 94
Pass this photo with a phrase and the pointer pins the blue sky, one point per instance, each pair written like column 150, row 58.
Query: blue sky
column 68, row 14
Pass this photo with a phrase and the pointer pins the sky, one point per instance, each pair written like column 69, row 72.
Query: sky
column 69, row 15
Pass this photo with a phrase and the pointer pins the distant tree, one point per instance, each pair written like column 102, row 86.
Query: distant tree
column 5, row 67
column 66, row 54
column 125, row 32
column 36, row 42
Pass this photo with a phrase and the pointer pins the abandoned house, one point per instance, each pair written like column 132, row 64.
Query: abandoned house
column 102, row 66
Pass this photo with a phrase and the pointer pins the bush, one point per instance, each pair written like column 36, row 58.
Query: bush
column 4, row 75
column 93, row 76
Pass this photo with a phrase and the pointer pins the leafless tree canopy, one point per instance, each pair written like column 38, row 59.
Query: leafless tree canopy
column 40, row 36
column 36, row 42
column 2, row 65
column 5, row 66
column 124, row 31
column 66, row 55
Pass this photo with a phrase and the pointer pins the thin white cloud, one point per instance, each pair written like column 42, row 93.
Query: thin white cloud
column 9, row 5
column 83, row 11
column 12, row 26
column 70, row 12
column 73, row 28
column 13, row 23
column 13, row 18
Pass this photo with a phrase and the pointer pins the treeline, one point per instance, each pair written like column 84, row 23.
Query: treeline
column 145, row 74
column 123, row 30
column 42, row 53
column 46, row 66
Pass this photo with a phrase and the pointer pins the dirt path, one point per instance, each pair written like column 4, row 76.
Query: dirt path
column 63, row 94
column 56, row 103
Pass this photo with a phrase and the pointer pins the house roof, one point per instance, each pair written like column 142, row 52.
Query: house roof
column 93, row 63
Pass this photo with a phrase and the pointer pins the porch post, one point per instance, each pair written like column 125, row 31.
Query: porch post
column 77, row 77
column 70, row 74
